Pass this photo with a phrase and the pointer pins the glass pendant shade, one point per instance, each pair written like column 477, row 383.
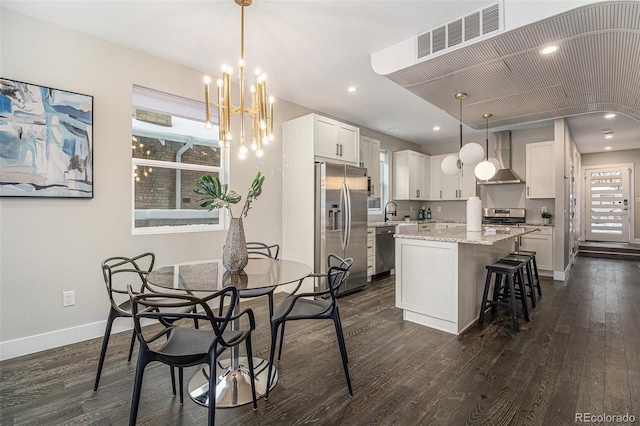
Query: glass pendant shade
column 471, row 153
column 485, row 170
column 449, row 165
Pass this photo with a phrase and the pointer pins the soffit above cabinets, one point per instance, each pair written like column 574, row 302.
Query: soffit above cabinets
column 595, row 69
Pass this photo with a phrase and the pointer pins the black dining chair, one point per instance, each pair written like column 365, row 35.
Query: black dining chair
column 119, row 272
column 258, row 250
column 180, row 347
column 314, row 306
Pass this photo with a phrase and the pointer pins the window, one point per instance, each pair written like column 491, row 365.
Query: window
column 171, row 149
column 384, row 178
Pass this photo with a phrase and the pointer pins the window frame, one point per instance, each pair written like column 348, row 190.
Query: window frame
column 384, row 179
column 222, row 170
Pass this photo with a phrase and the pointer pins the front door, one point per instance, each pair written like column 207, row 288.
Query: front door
column 608, row 203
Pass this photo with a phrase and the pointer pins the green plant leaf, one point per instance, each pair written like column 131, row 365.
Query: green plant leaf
column 254, row 192
column 215, row 195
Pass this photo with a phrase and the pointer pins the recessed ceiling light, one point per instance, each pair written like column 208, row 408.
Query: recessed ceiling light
column 607, row 148
column 548, row 49
column 609, row 136
column 436, row 128
column 609, row 116
column 352, row 89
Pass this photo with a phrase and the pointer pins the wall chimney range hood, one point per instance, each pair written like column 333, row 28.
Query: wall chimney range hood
column 502, row 151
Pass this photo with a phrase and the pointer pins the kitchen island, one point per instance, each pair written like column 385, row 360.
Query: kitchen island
column 440, row 274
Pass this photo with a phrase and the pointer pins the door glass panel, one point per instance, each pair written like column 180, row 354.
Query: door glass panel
column 607, row 218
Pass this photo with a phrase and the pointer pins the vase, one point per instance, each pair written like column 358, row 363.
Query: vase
column 234, row 254
column 545, row 221
column 474, row 214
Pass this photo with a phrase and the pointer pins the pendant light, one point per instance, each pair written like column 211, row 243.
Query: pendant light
column 471, row 153
column 486, row 169
column 260, row 110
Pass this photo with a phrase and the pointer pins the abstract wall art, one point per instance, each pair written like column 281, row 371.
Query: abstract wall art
column 46, row 142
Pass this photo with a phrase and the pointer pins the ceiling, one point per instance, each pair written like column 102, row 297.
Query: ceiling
column 312, row 52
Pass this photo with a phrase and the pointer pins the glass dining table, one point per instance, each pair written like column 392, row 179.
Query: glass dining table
column 233, row 386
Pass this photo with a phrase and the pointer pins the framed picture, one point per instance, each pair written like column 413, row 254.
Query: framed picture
column 46, row 142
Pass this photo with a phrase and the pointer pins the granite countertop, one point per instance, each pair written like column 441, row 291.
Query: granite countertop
column 397, row 222
column 460, row 235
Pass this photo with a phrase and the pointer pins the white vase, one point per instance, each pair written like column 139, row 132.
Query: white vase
column 474, row 214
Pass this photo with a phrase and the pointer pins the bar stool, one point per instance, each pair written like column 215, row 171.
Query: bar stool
column 524, row 264
column 507, row 270
column 534, row 267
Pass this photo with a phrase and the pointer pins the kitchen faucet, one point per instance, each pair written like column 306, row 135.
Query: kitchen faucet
column 393, row 212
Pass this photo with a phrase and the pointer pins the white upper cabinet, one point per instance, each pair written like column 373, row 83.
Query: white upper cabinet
column 370, row 160
column 426, row 177
column 451, row 187
column 336, row 140
column 540, row 173
column 467, row 182
column 411, row 175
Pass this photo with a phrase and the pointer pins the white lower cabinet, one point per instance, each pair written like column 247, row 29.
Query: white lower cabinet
column 371, row 252
column 541, row 242
column 443, row 225
column 427, row 227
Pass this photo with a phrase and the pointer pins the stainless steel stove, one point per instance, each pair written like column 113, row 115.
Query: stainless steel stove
column 506, row 217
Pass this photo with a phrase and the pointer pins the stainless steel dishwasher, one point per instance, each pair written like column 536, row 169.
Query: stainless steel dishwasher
column 385, row 249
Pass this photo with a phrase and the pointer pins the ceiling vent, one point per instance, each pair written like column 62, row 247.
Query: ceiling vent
column 461, row 31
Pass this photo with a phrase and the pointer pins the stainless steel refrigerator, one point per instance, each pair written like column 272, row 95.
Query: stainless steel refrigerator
column 341, row 220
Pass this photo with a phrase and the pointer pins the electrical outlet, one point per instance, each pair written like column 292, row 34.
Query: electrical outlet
column 68, row 298
column 410, row 208
column 637, row 199
column 544, row 209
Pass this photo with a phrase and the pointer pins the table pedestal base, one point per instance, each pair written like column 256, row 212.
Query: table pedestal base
column 233, row 387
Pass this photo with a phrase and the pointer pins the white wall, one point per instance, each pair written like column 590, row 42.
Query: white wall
column 53, row 245
column 48, row 246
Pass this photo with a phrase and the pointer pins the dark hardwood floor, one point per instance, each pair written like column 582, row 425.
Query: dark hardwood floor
column 579, row 353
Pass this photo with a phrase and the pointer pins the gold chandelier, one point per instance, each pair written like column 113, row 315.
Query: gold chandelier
column 260, row 110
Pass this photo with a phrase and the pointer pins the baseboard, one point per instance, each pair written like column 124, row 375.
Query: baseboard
column 562, row 275
column 55, row 339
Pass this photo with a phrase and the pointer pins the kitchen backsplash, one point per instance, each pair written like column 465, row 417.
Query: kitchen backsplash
column 498, row 196
column 514, row 196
